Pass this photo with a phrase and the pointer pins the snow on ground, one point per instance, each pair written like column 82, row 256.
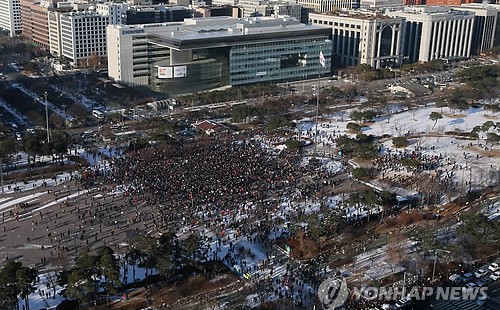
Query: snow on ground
column 414, row 121
column 51, row 106
column 29, row 185
column 473, row 161
column 29, row 198
column 21, row 119
column 327, row 164
column 39, row 299
column 492, row 211
column 80, row 99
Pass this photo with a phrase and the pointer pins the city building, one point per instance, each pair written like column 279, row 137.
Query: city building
column 202, row 54
column 435, row 33
column 10, row 17
column 379, row 4
column 35, row 21
column 82, row 37
column 485, row 25
column 214, row 11
column 136, row 15
column 113, row 10
column 323, row 6
column 413, row 2
column 363, row 38
column 451, row 2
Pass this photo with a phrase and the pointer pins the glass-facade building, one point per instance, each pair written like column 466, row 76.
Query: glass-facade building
column 208, row 53
column 278, row 61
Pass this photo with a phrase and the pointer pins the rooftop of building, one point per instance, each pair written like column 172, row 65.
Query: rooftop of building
column 356, row 14
column 224, row 31
column 429, row 10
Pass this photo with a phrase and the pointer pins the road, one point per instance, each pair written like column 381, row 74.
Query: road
column 492, row 303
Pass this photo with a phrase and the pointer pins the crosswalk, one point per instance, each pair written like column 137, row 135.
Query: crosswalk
column 458, row 305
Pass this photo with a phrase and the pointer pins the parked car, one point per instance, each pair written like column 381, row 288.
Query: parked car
column 480, row 273
column 482, row 282
column 469, row 287
column 455, row 278
column 495, row 276
column 493, row 267
column 468, row 277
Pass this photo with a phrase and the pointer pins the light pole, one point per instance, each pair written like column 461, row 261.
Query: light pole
column 435, row 261
column 1, row 174
column 317, row 99
column 65, row 120
column 47, row 116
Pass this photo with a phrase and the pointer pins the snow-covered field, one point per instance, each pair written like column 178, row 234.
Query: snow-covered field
column 474, row 160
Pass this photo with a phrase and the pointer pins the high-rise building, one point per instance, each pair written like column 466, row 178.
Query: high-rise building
column 35, row 21
column 363, row 38
column 10, row 16
column 435, row 33
column 201, row 54
column 113, row 10
column 485, row 25
column 136, row 15
column 83, row 37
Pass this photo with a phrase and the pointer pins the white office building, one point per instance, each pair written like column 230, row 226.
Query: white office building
column 113, row 10
column 329, row 5
column 436, row 32
column 10, row 16
column 379, row 4
column 363, row 38
column 485, row 25
column 206, row 53
column 83, row 36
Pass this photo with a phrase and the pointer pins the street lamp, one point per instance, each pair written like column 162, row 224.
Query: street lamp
column 435, row 261
column 47, row 116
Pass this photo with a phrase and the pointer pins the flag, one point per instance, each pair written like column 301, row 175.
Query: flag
column 322, row 59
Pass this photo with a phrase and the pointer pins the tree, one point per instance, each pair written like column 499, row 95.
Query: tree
column 30, row 67
column 435, row 116
column 81, row 280
column 480, row 77
column 25, row 277
column 400, row 142
column 292, row 144
column 492, row 138
column 15, row 280
column 356, row 116
column 109, row 269
column 361, row 173
column 353, row 127
column 60, row 141
column 388, row 200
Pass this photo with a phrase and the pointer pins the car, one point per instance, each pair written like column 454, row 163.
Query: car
column 403, row 303
column 468, row 277
column 495, row 276
column 469, row 287
column 481, row 299
column 482, row 282
column 480, row 273
column 493, row 267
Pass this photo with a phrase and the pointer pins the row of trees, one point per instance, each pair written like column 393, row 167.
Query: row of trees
column 35, row 144
column 95, row 275
column 16, row 281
